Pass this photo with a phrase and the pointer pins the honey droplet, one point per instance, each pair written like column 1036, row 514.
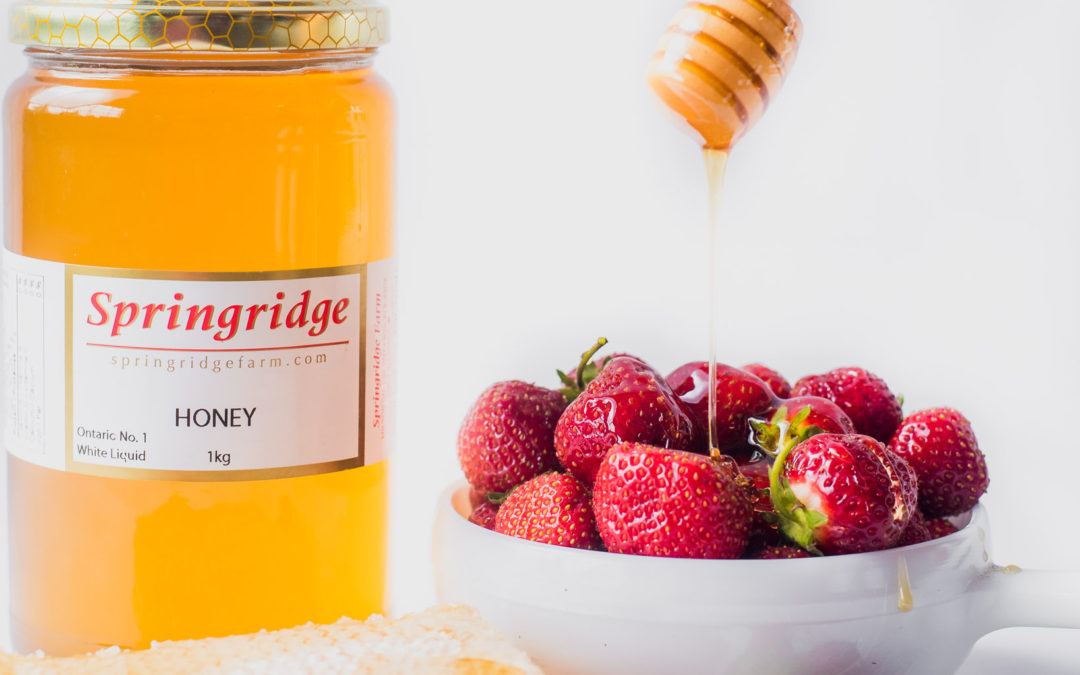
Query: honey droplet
column 904, row 600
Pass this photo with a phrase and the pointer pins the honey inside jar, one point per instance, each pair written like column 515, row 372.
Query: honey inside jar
column 185, row 163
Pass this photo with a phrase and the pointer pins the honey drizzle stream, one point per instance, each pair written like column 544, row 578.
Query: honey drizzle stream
column 715, row 165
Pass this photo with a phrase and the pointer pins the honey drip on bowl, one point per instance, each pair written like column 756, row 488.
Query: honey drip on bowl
column 905, row 602
column 717, row 67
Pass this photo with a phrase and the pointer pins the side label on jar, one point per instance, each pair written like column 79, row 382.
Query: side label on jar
column 195, row 376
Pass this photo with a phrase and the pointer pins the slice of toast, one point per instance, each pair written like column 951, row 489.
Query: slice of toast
column 439, row 640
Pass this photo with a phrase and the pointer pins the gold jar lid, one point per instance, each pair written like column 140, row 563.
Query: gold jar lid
column 200, row 25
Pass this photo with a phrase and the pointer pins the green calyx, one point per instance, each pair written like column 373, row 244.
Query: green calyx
column 770, row 435
column 497, row 498
column 765, row 434
column 586, row 373
column 794, row 520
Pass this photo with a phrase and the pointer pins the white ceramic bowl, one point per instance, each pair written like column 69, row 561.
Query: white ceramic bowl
column 592, row 612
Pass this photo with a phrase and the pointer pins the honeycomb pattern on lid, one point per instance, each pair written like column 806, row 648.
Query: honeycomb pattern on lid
column 200, row 25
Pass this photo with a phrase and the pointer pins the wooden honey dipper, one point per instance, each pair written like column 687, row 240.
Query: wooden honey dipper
column 721, row 62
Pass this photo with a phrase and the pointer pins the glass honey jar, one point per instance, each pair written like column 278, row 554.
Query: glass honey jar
column 197, row 318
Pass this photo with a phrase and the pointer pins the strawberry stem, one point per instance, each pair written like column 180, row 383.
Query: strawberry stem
column 586, row 373
column 785, row 445
column 795, row 520
column 585, row 358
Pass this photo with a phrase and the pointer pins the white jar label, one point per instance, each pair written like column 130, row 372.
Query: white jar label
column 195, row 376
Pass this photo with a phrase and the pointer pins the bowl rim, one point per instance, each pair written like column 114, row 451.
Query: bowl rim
column 477, row 566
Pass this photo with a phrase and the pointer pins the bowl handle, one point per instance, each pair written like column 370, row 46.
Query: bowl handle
column 1011, row 596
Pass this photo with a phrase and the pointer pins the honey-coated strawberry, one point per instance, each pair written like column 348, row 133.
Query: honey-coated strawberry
column 627, row 402
column 824, row 414
column 506, row 437
column 551, row 509
column 777, row 382
column 668, row 503
column 804, row 417
column 739, row 396
column 843, row 494
column 865, row 397
column 941, row 447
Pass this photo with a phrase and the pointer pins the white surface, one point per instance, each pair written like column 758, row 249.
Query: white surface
column 909, row 204
column 594, row 612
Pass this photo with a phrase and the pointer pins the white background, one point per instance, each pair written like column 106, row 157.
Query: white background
column 910, row 204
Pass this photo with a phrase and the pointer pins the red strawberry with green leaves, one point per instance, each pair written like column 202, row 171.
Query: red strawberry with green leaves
column 484, row 515
column 668, row 503
column 839, row 494
column 940, row 446
column 506, row 437
column 803, row 416
column 628, row 402
column 779, row 385
column 551, row 509
column 865, row 397
column 739, row 396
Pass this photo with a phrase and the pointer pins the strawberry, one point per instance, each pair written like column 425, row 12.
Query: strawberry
column 758, row 473
column 778, row 553
column 627, row 402
column 763, row 529
column 939, row 527
column 780, row 386
column 475, row 498
column 484, row 515
column 922, row 529
column 842, row 494
column 550, row 509
column 506, row 438
column 669, row 503
column 862, row 395
column 916, row 531
column 805, row 416
column 824, row 414
column 739, row 396
column 941, row 448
